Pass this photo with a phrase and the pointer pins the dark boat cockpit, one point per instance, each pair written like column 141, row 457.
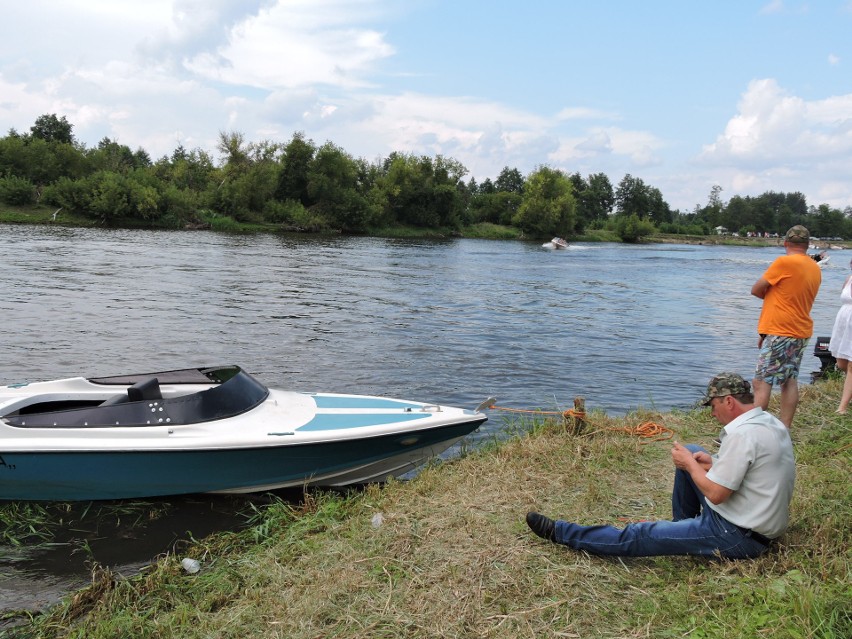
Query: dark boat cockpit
column 142, row 402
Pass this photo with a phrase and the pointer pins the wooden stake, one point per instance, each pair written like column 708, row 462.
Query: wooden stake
column 575, row 420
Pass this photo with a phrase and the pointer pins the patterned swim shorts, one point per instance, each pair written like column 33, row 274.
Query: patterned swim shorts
column 779, row 359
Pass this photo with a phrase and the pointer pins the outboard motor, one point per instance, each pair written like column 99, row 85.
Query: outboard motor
column 827, row 361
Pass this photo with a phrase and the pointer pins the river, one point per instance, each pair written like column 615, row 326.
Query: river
column 443, row 321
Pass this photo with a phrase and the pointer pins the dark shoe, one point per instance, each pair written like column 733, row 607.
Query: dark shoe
column 541, row 526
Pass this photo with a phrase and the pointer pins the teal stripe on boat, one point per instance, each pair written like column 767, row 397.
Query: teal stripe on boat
column 335, row 401
column 332, row 422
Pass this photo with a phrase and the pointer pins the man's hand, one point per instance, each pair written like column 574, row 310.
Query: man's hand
column 704, row 459
column 697, row 465
column 683, row 457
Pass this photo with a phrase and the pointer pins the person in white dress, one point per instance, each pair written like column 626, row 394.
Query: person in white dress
column 841, row 342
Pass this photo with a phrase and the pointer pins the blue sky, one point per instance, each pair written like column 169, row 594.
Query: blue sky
column 752, row 96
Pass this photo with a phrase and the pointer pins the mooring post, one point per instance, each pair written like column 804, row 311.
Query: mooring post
column 576, row 422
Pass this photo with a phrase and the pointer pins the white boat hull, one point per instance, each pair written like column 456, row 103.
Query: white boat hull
column 59, row 441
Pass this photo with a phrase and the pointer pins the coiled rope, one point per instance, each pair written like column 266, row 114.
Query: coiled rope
column 649, row 430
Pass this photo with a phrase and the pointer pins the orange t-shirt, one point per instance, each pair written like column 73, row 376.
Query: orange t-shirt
column 795, row 281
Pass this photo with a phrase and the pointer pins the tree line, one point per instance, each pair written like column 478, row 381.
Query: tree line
column 302, row 186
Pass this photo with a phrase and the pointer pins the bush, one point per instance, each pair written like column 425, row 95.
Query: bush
column 17, row 191
column 284, row 212
column 72, row 195
column 631, row 228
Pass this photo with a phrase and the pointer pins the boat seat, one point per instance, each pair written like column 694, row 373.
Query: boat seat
column 139, row 392
column 146, row 389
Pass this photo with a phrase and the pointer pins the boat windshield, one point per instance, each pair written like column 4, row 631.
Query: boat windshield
column 239, row 393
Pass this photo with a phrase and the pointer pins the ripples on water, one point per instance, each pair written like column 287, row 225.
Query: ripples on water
column 442, row 321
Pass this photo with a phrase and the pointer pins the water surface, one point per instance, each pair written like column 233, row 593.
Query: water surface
column 441, row 321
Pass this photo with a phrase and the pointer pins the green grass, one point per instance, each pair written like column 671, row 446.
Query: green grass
column 37, row 214
column 452, row 556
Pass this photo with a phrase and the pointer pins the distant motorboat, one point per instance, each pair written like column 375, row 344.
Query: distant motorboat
column 822, row 258
column 555, row 243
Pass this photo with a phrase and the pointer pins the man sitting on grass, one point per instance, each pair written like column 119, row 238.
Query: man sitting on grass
column 732, row 504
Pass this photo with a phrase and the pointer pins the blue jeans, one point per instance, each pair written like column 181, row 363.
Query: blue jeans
column 696, row 530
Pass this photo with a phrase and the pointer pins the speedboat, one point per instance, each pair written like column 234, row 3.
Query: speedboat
column 207, row 430
column 822, row 258
column 556, row 243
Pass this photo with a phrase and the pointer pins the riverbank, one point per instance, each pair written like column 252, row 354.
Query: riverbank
column 484, row 230
column 448, row 554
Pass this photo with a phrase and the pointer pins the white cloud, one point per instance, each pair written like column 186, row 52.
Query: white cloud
column 638, row 147
column 292, row 45
column 779, row 141
column 583, row 113
column 775, row 6
column 780, row 7
column 833, row 60
column 774, row 127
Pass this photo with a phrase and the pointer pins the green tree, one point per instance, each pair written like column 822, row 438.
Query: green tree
column 600, row 197
column 187, row 170
column 293, row 175
column 72, row 195
column 422, row 191
column 548, row 206
column 659, row 211
column 248, row 177
column 738, row 215
column 510, row 181
column 486, row 187
column 52, row 129
column 112, row 156
column 827, row 222
column 235, row 153
column 333, row 185
column 17, row 191
column 631, row 197
column 496, row 208
column 40, row 161
column 595, row 198
column 110, row 199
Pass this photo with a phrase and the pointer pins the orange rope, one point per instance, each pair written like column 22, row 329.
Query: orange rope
column 522, row 410
column 649, row 430
column 565, row 413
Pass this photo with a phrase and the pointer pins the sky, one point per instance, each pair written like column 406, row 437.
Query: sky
column 752, row 96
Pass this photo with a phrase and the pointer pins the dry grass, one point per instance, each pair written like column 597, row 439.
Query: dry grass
column 453, row 557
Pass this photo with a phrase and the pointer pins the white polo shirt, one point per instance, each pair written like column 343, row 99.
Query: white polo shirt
column 756, row 461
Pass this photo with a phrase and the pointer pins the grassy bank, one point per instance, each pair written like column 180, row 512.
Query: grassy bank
column 483, row 230
column 448, row 554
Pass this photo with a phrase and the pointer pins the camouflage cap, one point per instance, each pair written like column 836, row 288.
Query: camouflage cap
column 799, row 234
column 726, row 384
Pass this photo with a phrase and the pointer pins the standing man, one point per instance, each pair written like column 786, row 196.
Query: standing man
column 788, row 289
column 732, row 504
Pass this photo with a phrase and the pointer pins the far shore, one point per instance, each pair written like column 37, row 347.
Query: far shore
column 41, row 215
